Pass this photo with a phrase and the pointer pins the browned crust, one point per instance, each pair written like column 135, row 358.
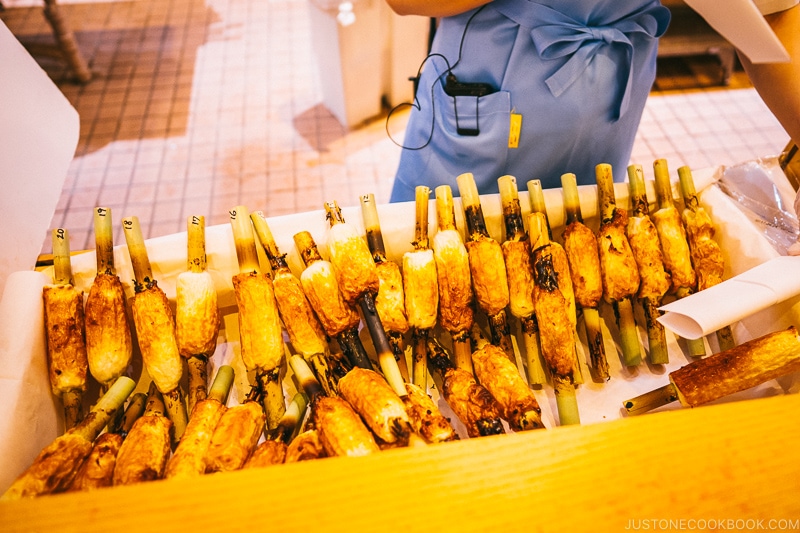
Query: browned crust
column 155, row 331
column 353, row 265
column 260, row 330
column 517, row 256
column 488, row 270
column 677, row 258
column 235, row 437
column 617, row 265
column 305, row 331
column 108, row 331
column 305, row 447
column 455, row 282
column 189, row 458
column 744, row 366
column 561, row 267
column 268, row 453
column 421, row 287
column 52, row 470
column 197, row 316
column 390, row 302
column 97, row 471
column 377, row 403
column 502, row 379
column 643, row 238
column 341, row 430
column 709, row 264
column 425, row 417
column 143, row 454
column 470, row 402
column 580, row 245
column 322, row 291
column 556, row 333
column 64, row 330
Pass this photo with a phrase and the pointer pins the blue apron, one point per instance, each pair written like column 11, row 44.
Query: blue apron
column 576, row 72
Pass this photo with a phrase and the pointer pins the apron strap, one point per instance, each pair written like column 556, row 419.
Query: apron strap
column 558, row 36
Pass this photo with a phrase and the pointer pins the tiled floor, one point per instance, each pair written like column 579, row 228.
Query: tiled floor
column 201, row 105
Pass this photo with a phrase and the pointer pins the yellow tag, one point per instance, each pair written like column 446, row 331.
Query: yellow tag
column 514, row 129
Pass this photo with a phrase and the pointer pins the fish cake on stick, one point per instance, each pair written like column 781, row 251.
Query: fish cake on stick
column 471, row 402
column 674, row 245
column 583, row 256
column 390, row 300
column 501, row 378
column 108, row 331
column 236, row 435
column 456, row 313
column 189, row 458
column 56, row 465
column 646, row 248
column 197, row 319
column 487, row 266
column 260, row 329
column 377, row 403
column 65, row 333
column 517, row 256
column 155, row 329
column 744, row 366
column 617, row 265
column 305, row 331
column 97, row 471
column 562, row 269
column 144, row 452
column 339, row 319
column 552, row 313
column 707, row 258
column 420, row 285
column 357, row 277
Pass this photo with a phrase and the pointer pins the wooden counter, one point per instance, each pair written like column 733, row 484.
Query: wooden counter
column 659, row 471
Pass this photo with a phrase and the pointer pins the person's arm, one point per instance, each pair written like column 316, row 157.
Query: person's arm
column 434, row 9
column 778, row 84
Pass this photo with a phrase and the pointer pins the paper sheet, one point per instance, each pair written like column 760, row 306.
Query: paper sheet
column 732, row 300
column 740, row 22
column 37, row 142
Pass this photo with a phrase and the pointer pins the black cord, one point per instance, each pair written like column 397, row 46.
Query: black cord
column 449, row 71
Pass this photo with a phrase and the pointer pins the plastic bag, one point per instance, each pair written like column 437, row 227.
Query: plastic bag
column 762, row 192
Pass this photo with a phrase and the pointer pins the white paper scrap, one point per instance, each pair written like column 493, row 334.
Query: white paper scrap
column 732, row 300
column 741, row 23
